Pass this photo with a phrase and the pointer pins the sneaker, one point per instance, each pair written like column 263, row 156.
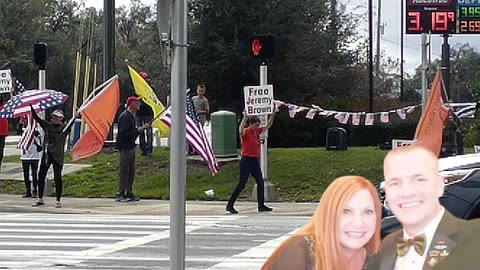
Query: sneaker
column 131, row 197
column 38, row 203
column 264, row 208
column 230, row 209
column 120, row 198
column 27, row 194
column 58, row 205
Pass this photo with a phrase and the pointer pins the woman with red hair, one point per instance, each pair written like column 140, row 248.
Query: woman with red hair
column 342, row 234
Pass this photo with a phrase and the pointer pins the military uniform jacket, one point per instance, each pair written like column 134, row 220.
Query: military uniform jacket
column 454, row 246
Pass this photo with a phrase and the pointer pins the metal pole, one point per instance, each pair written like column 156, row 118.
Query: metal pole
column 108, row 39
column 379, row 24
column 42, row 79
column 370, row 56
column 424, row 70
column 108, row 69
column 269, row 188
column 178, row 148
column 264, row 135
column 401, row 50
column 446, row 64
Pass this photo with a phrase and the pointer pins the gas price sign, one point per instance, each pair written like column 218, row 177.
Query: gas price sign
column 443, row 16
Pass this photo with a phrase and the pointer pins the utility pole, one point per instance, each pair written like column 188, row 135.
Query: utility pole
column 379, row 26
column 446, row 65
column 178, row 158
column 370, row 55
column 401, row 50
column 108, row 39
column 424, row 70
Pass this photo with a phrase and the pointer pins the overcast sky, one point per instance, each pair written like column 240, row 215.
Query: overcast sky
column 390, row 41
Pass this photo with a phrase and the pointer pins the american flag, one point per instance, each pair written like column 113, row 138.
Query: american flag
column 19, row 105
column 27, row 138
column 28, row 135
column 19, row 88
column 196, row 136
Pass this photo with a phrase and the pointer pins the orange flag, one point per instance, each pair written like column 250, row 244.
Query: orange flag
column 98, row 113
column 430, row 126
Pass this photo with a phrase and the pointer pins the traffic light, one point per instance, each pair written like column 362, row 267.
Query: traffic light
column 263, row 46
column 40, row 54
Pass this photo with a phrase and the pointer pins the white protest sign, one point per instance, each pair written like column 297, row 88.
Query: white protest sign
column 6, row 82
column 258, row 100
column 399, row 143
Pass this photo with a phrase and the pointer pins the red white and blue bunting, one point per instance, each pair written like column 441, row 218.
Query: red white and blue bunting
column 462, row 110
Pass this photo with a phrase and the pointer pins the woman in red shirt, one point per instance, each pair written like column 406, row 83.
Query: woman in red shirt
column 3, row 129
column 250, row 163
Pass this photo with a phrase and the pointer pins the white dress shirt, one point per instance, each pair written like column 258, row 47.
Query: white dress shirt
column 411, row 260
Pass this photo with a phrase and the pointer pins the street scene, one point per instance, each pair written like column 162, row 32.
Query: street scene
column 210, row 134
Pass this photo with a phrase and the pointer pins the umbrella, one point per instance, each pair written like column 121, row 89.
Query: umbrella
column 19, row 105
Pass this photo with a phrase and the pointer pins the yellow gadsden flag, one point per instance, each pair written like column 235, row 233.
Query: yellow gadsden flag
column 144, row 91
column 430, row 126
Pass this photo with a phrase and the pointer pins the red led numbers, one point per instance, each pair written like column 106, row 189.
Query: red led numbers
column 413, row 22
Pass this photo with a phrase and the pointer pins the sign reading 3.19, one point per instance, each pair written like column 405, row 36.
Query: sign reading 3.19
column 443, row 16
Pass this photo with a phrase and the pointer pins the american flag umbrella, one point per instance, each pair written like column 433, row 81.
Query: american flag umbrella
column 19, row 105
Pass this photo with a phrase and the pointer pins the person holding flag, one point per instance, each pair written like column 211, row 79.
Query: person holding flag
column 56, row 133
column 127, row 134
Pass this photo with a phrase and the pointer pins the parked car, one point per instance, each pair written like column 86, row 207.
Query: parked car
column 462, row 190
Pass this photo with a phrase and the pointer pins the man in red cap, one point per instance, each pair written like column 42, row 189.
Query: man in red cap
column 126, row 136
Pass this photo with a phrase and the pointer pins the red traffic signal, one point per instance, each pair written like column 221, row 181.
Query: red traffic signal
column 263, row 46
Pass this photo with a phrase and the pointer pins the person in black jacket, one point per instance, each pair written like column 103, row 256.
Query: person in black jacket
column 56, row 133
column 126, row 136
column 143, row 116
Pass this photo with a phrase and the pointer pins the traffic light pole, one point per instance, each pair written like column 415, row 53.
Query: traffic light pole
column 269, row 191
column 178, row 159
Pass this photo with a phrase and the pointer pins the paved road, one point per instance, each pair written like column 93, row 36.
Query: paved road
column 86, row 241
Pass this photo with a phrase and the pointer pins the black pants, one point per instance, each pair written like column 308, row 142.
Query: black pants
column 127, row 171
column 47, row 161
column 249, row 166
column 2, row 146
column 26, row 165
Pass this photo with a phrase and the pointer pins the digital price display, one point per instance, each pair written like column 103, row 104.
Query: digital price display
column 443, row 16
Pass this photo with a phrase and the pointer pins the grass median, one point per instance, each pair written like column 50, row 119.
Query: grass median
column 299, row 174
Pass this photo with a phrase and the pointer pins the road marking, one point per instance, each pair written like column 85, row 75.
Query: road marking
column 254, row 257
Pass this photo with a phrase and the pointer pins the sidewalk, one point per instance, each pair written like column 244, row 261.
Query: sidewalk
column 108, row 206
column 15, row 203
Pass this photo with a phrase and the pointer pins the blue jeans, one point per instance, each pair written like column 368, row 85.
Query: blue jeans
column 249, row 166
column 146, row 137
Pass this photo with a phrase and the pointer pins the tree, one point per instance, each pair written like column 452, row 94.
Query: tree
column 313, row 58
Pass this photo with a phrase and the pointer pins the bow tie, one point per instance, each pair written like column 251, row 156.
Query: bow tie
column 418, row 242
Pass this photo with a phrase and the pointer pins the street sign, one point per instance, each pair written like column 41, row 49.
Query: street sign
column 6, row 82
column 443, row 16
column 259, row 99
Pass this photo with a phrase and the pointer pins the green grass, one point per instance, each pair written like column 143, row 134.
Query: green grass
column 299, row 174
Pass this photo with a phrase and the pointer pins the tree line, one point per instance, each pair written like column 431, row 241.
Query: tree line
column 315, row 61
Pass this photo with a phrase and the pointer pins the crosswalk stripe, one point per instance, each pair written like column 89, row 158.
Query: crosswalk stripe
column 41, row 240
column 252, row 258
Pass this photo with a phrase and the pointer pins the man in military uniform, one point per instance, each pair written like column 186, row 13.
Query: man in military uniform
column 431, row 237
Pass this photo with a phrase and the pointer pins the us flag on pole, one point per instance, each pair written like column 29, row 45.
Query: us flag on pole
column 26, row 140
column 196, row 136
column 28, row 134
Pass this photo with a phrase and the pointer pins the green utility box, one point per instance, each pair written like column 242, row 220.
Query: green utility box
column 224, row 133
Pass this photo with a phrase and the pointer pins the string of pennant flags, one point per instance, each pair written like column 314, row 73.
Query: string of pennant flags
column 462, row 110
